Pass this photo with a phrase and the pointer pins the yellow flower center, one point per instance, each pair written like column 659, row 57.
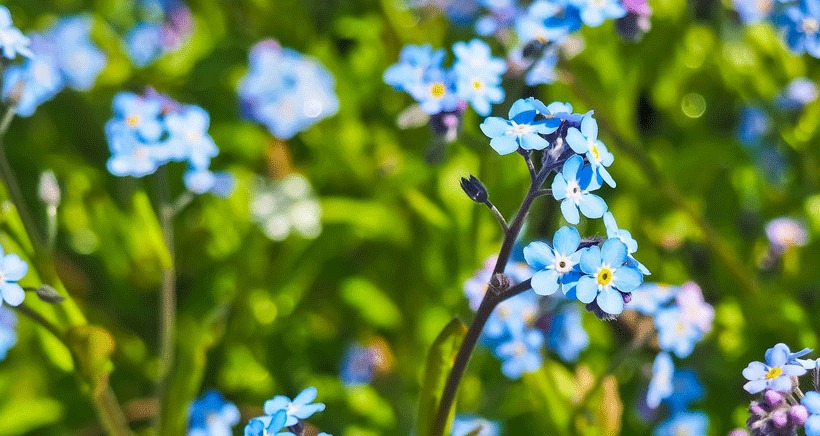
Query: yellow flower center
column 774, row 373
column 132, row 120
column 477, row 85
column 604, row 276
column 595, row 153
column 437, row 90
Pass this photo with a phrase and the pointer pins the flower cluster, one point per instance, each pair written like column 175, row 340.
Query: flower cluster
column 63, row 56
column 521, row 326
column 286, row 91
column 782, row 407
column 681, row 316
column 165, row 25
column 474, row 78
column 212, row 415
column 797, row 20
column 283, row 416
column 150, row 130
column 283, row 207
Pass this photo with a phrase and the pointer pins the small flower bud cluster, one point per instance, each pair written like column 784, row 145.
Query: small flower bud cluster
column 773, row 415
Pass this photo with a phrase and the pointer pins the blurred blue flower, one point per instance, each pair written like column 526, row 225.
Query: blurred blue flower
column 301, row 407
column 12, row 269
column 686, row 388
column 566, row 335
column 660, row 386
column 188, row 129
column 478, row 75
column 612, row 231
column 548, row 22
column 414, row 62
column 520, row 353
column 286, row 91
column 684, row 423
column 469, row 425
column 572, row 188
column 63, row 56
column 651, row 297
column 798, row 93
column 555, row 266
column 675, row 333
column 139, row 114
column 606, row 276
column 595, row 12
column 520, row 130
column 435, row 92
column 269, row 425
column 219, row 183
column 812, row 403
column 510, row 317
column 144, row 43
column 754, row 125
column 753, row 11
column 8, row 331
column 586, row 142
column 543, row 70
column 12, row 40
column 775, row 374
column 802, row 25
column 358, row 365
column 212, row 415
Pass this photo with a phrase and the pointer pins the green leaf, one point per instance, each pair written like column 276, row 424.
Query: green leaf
column 372, row 303
column 439, row 363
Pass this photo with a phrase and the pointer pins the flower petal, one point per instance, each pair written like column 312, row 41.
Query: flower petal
column 533, row 142
column 627, row 279
column 566, row 240
column 576, row 141
column 589, row 127
column 545, row 282
column 592, row 206
column 538, row 255
column 308, row 410
column 571, row 167
column 504, row 144
column 613, row 253
column 276, row 404
column 306, row 396
column 755, row 371
column 586, row 289
column 13, row 294
column 591, row 260
column 755, row 386
column 610, row 301
column 494, row 127
column 570, row 211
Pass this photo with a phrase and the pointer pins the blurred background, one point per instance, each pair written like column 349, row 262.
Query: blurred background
column 264, row 311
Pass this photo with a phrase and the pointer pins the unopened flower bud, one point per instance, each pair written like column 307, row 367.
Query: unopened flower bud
column 773, row 398
column 49, row 189
column 780, row 418
column 499, row 282
column 798, row 414
column 756, row 409
column 49, row 294
column 474, row 189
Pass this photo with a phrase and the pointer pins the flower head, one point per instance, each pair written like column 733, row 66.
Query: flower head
column 268, row 425
column 612, row 231
column 520, row 353
column 775, row 374
column 607, row 276
column 572, row 187
column 786, row 232
column 12, row 269
column 566, row 334
column 212, row 415
column 802, row 23
column 12, row 40
column 555, row 266
column 585, row 141
column 301, row 407
column 595, row 12
column 520, row 130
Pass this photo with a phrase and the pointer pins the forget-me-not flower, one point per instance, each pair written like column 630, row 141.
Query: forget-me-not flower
column 520, row 130
column 606, row 276
column 812, row 403
column 12, row 40
column 675, row 332
column 586, row 142
column 414, row 62
column 775, row 374
column 521, row 353
column 12, row 269
column 478, row 75
column 566, row 335
column 212, row 415
column 660, row 386
column 301, row 407
column 268, row 425
column 572, row 188
column 555, row 266
column 612, row 231
column 595, row 12
column 802, row 24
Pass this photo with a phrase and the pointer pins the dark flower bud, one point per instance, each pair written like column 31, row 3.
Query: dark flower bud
column 49, row 294
column 474, row 189
column 499, row 282
column 589, row 242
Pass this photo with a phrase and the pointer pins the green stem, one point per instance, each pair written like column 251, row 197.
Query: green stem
column 168, row 298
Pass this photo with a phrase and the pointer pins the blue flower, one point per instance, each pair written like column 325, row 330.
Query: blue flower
column 753, row 11
column 660, row 386
column 520, row 130
column 478, row 75
column 8, row 332
column 436, row 92
column 144, row 43
column 555, row 266
column 12, row 40
column 140, row 114
column 543, row 70
column 79, row 59
column 566, row 335
column 612, row 231
column 268, row 425
column 572, row 185
column 595, row 12
column 798, row 93
column 606, row 276
column 286, row 91
column 414, row 62
column 520, row 353
column 548, row 21
column 585, row 141
column 675, row 332
column 686, row 389
column 12, row 269
column 684, row 423
column 509, row 318
column 40, row 79
column 775, row 374
column 212, row 415
column 468, row 425
column 754, row 125
column 299, row 408
column 358, row 365
column 803, row 27
column 218, row 183
column 651, row 297
column 811, row 401
column 188, row 129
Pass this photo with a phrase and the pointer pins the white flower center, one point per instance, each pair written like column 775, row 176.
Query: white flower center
column 574, row 191
column 519, row 349
column 520, row 129
column 811, row 25
column 562, row 264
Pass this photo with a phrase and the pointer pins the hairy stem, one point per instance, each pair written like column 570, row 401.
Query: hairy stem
column 168, row 298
